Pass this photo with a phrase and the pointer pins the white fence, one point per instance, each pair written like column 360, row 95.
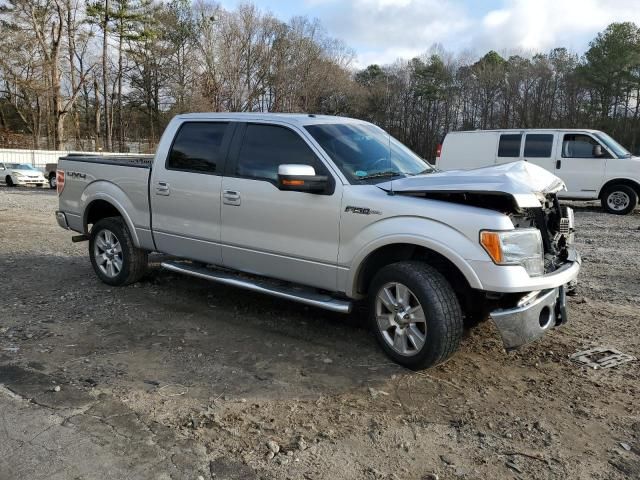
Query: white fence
column 39, row 158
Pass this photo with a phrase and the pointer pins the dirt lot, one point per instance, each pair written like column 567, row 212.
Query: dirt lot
column 179, row 378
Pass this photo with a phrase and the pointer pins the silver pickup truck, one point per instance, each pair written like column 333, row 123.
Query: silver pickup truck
column 328, row 211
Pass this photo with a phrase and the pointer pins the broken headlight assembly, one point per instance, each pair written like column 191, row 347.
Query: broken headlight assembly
column 522, row 246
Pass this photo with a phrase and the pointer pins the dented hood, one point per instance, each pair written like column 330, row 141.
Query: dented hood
column 524, row 182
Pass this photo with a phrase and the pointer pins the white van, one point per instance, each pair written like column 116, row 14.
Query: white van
column 591, row 163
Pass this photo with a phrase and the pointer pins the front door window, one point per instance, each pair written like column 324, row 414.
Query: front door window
column 579, row 145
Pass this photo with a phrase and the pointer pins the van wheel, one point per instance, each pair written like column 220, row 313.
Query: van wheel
column 52, row 180
column 415, row 314
column 114, row 257
column 619, row 199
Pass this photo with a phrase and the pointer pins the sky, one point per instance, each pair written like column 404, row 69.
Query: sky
column 381, row 31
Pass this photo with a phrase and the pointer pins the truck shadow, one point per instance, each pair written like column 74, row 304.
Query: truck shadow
column 171, row 329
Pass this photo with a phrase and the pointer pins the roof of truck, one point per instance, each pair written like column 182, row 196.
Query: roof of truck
column 294, row 118
column 519, row 130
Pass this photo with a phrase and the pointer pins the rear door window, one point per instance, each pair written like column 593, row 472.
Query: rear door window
column 509, row 145
column 198, row 147
column 538, row 145
column 265, row 147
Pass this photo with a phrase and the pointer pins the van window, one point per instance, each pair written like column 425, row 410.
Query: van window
column 265, row 147
column 578, row 146
column 618, row 149
column 197, row 147
column 538, row 145
column 509, row 145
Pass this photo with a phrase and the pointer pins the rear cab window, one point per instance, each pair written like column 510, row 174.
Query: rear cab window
column 199, row 147
column 509, row 145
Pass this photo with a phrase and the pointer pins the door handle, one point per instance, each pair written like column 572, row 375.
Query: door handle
column 558, row 164
column 230, row 197
column 162, row 188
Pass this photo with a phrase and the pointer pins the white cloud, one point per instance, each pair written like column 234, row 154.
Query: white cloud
column 382, row 31
column 385, row 56
column 496, row 18
column 544, row 24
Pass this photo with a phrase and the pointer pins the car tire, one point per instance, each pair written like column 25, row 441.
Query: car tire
column 9, row 182
column 114, row 257
column 418, row 329
column 52, row 180
column 619, row 199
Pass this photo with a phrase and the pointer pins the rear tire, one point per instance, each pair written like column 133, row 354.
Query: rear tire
column 619, row 199
column 52, row 180
column 114, row 257
column 418, row 327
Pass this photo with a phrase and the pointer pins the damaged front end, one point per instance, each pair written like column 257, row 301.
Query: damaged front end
column 536, row 312
column 524, row 192
column 556, row 225
column 527, row 194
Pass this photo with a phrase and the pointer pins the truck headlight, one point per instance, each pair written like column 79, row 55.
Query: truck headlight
column 522, row 246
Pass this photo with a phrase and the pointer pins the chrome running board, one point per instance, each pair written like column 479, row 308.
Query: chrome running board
column 288, row 292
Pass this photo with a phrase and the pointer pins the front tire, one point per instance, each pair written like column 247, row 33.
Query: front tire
column 52, row 180
column 9, row 181
column 415, row 314
column 619, row 199
column 114, row 257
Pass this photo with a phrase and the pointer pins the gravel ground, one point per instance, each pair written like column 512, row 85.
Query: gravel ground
column 176, row 377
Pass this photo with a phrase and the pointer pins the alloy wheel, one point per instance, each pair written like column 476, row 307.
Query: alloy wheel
column 108, row 253
column 400, row 318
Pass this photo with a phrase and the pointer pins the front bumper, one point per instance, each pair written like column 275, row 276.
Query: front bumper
column 515, row 279
column 534, row 315
column 29, row 181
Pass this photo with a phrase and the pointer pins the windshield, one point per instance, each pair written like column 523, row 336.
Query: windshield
column 614, row 146
column 367, row 153
column 18, row 166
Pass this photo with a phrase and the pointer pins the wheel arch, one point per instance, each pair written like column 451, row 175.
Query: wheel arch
column 620, row 181
column 102, row 207
column 457, row 272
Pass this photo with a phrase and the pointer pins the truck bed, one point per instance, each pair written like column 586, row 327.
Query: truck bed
column 140, row 161
column 122, row 181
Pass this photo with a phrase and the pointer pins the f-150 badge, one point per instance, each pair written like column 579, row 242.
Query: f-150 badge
column 362, row 211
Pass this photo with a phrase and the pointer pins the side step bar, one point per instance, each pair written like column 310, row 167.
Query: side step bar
column 296, row 294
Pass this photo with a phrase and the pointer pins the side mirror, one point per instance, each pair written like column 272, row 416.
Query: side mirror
column 597, row 151
column 301, row 178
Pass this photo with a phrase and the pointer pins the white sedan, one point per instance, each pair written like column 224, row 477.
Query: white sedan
column 14, row 174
